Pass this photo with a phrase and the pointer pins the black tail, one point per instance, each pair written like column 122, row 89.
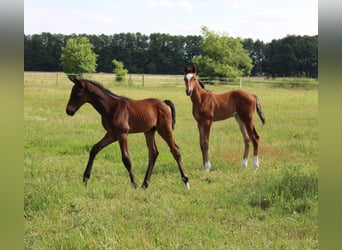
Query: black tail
column 173, row 112
column 259, row 110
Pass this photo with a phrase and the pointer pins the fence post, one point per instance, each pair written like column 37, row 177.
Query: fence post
column 143, row 79
column 240, row 82
column 57, row 78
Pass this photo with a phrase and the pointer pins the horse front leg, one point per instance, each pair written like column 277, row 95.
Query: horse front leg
column 105, row 141
column 126, row 158
column 152, row 156
column 204, row 131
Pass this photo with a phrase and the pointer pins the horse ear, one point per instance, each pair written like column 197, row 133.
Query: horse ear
column 186, row 70
column 194, row 69
column 76, row 81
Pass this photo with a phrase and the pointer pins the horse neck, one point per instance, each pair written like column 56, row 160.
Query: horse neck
column 197, row 93
column 100, row 100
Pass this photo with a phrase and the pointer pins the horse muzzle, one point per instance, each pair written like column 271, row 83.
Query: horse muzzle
column 70, row 112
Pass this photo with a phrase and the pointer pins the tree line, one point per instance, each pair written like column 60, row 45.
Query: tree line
column 158, row 53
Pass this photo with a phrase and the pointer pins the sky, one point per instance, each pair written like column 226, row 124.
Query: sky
column 257, row 19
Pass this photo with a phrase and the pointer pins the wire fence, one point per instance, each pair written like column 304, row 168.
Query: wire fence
column 60, row 78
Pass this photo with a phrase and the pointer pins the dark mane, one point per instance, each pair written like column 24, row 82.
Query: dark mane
column 101, row 87
column 202, row 85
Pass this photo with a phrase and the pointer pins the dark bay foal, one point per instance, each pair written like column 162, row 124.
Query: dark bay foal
column 122, row 116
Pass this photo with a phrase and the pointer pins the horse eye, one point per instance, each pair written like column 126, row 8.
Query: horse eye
column 76, row 94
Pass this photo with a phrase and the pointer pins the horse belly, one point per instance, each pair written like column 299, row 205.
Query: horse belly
column 142, row 123
column 220, row 117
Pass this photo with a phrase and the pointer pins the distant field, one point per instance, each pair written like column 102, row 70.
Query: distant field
column 56, row 78
column 274, row 208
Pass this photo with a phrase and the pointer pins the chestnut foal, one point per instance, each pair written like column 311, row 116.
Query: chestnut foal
column 209, row 107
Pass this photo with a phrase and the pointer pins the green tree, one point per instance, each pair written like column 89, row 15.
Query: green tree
column 256, row 51
column 222, row 56
column 77, row 57
column 119, row 70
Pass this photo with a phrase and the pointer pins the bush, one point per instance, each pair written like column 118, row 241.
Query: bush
column 119, row 71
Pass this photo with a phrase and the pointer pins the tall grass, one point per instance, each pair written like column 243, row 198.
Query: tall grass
column 274, row 208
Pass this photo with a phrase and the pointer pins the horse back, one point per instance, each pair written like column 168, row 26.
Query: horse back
column 231, row 103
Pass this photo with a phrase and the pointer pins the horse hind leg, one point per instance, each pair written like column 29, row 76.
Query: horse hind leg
column 166, row 134
column 255, row 140
column 246, row 141
column 152, row 156
column 255, row 148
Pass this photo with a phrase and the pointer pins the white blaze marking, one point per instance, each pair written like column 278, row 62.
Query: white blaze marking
column 207, row 166
column 189, row 76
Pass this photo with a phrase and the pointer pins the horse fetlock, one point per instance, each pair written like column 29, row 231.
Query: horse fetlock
column 85, row 180
column 207, row 166
column 244, row 163
column 255, row 162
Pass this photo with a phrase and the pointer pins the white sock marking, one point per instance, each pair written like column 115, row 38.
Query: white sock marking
column 244, row 163
column 255, row 162
column 207, row 166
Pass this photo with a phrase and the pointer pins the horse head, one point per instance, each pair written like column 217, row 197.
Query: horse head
column 78, row 96
column 190, row 78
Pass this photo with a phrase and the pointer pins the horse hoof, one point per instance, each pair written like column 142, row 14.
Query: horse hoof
column 85, row 181
column 187, row 185
column 134, row 185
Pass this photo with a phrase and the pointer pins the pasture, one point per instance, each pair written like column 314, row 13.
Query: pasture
column 274, row 208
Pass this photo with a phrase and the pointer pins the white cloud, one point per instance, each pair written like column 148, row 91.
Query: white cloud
column 261, row 19
column 181, row 4
column 167, row 4
column 186, row 5
column 66, row 20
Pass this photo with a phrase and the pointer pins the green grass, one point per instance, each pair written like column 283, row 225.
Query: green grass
column 274, row 208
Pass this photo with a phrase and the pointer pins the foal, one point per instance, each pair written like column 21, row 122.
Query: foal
column 122, row 116
column 209, row 107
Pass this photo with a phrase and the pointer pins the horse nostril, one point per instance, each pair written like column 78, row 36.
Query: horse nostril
column 188, row 92
column 70, row 112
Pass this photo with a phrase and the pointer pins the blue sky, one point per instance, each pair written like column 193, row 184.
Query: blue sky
column 258, row 19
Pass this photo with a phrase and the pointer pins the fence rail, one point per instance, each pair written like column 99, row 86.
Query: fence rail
column 59, row 78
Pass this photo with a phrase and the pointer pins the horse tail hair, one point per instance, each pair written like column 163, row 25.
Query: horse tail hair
column 173, row 112
column 259, row 110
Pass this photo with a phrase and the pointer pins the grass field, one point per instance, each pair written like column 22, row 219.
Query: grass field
column 274, row 208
